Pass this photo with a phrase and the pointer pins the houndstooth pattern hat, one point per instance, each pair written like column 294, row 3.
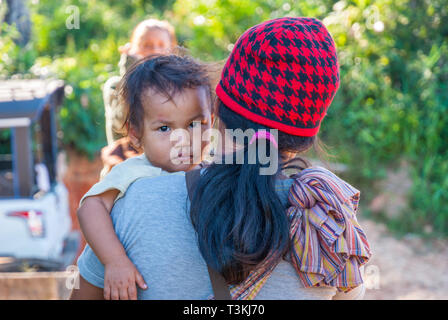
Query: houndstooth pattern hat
column 282, row 73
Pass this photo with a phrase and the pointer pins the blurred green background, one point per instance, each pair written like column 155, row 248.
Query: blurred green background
column 388, row 123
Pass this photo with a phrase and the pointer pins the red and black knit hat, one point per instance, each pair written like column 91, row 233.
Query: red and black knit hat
column 282, row 73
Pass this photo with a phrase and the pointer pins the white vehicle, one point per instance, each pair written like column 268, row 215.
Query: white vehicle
column 35, row 223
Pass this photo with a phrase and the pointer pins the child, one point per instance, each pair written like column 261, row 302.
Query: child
column 149, row 37
column 161, row 94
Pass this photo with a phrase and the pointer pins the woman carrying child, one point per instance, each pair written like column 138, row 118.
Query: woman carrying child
column 270, row 236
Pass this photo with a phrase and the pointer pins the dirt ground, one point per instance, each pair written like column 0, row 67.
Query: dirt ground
column 407, row 268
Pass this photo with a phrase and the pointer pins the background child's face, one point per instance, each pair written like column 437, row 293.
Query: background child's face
column 149, row 41
column 187, row 109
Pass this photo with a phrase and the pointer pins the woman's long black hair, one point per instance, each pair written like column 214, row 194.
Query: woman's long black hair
column 236, row 212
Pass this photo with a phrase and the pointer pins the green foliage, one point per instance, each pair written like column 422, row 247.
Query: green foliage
column 83, row 57
column 210, row 28
column 393, row 98
column 14, row 59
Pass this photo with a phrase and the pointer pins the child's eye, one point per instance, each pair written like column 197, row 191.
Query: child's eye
column 164, row 128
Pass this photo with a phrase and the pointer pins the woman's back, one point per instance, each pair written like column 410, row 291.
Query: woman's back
column 153, row 223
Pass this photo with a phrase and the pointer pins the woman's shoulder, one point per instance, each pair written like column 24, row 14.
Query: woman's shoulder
column 282, row 187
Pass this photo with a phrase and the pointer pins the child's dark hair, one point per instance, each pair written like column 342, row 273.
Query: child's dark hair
column 236, row 212
column 165, row 74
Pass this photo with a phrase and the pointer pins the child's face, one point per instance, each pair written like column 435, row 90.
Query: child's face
column 187, row 109
column 150, row 41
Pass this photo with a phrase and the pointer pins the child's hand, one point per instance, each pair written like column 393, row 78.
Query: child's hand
column 120, row 277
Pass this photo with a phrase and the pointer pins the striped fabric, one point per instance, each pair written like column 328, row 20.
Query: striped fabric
column 328, row 244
